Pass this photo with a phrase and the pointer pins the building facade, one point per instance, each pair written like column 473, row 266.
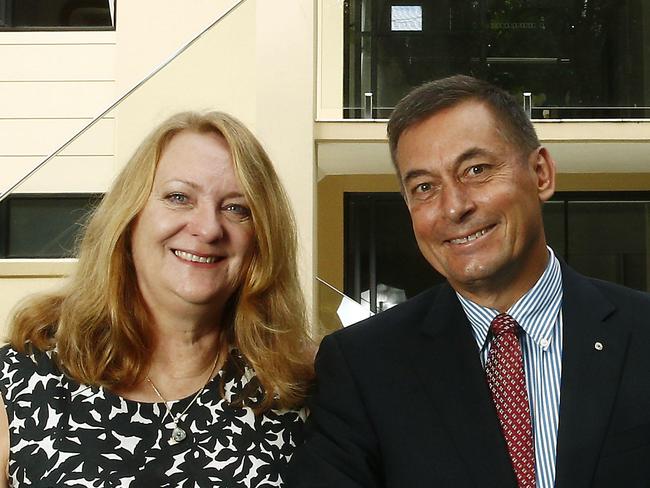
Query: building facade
column 316, row 81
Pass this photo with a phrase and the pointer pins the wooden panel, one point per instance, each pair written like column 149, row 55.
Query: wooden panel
column 40, row 137
column 61, row 174
column 57, row 99
column 57, row 62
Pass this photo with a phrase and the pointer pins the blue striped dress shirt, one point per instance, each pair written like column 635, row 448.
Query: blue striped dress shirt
column 538, row 313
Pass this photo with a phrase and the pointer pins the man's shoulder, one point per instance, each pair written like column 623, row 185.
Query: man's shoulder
column 618, row 303
column 621, row 296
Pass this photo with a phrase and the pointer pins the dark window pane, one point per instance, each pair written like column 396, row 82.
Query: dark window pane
column 44, row 227
column 382, row 256
column 599, row 238
column 578, row 59
column 609, row 240
column 554, row 226
column 53, row 14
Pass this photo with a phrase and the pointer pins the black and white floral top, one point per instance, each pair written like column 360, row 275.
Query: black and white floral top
column 66, row 434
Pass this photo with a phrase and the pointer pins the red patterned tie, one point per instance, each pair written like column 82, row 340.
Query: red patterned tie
column 507, row 382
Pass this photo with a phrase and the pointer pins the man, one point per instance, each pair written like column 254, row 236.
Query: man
column 517, row 372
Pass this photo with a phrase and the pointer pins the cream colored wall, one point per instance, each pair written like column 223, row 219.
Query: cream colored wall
column 330, row 60
column 149, row 32
column 20, row 278
column 52, row 84
column 285, row 111
column 258, row 64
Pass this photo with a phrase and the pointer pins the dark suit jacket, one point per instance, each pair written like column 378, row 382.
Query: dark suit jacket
column 401, row 399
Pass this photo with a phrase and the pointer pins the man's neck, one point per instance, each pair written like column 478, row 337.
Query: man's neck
column 501, row 295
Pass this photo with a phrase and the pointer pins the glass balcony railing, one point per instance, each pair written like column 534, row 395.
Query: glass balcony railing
column 336, row 310
column 578, row 59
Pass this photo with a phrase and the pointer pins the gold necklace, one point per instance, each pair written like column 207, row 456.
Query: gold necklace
column 178, row 434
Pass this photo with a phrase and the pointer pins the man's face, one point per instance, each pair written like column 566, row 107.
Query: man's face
column 474, row 201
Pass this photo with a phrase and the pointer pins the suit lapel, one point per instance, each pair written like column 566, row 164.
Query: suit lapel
column 449, row 366
column 590, row 377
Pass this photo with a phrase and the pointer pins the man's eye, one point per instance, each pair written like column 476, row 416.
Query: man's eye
column 476, row 169
column 423, row 188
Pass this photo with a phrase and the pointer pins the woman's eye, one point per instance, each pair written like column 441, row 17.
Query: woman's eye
column 237, row 209
column 177, row 198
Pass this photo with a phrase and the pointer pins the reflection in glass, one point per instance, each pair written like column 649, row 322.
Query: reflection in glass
column 578, row 59
column 43, row 226
column 57, row 14
column 609, row 240
column 406, row 18
column 383, row 264
column 604, row 235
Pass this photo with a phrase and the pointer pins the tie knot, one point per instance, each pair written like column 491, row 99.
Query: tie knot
column 503, row 323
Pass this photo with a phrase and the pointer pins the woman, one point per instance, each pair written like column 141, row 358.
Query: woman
column 177, row 355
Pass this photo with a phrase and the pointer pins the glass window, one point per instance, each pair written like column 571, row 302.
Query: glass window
column 609, row 240
column 578, row 59
column 57, row 14
column 601, row 234
column 4, row 13
column 42, row 226
column 383, row 265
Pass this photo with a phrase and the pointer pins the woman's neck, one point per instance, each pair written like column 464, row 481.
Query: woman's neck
column 184, row 354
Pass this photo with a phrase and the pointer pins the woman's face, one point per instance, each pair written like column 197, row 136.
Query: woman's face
column 192, row 241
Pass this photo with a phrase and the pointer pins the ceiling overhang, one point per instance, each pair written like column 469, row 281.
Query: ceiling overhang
column 360, row 147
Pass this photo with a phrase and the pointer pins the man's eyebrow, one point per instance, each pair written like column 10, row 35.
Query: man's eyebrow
column 414, row 173
column 471, row 153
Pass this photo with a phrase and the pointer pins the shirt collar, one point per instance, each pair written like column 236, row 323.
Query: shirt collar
column 536, row 311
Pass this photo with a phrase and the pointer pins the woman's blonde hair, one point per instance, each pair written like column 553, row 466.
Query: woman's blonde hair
column 99, row 323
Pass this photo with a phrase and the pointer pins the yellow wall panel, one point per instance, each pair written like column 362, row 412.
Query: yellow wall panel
column 12, row 291
column 56, row 99
column 40, row 137
column 70, row 62
column 83, row 174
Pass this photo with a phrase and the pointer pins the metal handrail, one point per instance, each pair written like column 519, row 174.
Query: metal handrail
column 231, row 8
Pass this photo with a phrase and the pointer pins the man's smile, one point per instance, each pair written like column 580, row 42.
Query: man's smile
column 471, row 237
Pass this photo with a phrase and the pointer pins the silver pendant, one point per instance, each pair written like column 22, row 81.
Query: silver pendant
column 178, row 435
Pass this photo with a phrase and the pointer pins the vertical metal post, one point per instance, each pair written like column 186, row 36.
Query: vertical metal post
column 528, row 104
column 356, row 243
column 372, row 255
column 367, row 105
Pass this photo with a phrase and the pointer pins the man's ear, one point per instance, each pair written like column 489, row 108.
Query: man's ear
column 544, row 167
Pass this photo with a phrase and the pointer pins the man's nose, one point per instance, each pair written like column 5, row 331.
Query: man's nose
column 456, row 202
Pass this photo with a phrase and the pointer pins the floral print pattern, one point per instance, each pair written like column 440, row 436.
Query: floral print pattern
column 63, row 433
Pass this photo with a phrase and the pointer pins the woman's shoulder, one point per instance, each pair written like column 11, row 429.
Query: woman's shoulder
column 241, row 384
column 20, row 371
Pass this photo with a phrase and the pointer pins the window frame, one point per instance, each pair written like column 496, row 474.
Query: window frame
column 7, row 27
column 5, row 234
